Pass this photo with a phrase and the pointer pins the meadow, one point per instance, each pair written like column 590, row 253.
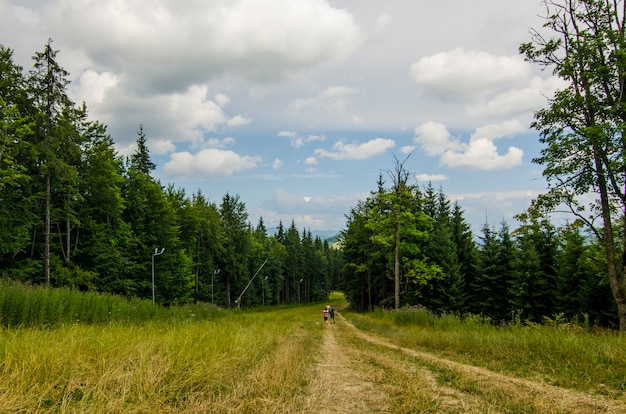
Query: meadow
column 202, row 359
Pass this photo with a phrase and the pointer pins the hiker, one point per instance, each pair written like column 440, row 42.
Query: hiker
column 331, row 313
column 326, row 312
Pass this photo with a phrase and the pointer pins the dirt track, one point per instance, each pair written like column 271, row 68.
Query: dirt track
column 360, row 373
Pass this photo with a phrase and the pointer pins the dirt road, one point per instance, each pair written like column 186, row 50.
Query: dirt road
column 360, row 373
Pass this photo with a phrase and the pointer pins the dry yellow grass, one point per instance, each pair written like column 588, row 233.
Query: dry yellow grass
column 280, row 360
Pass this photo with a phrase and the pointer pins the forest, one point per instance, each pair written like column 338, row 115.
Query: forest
column 76, row 214
column 533, row 273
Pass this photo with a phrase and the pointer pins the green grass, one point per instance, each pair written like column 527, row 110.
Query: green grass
column 564, row 356
column 74, row 356
column 242, row 360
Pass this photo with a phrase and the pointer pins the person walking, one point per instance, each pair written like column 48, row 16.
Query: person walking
column 331, row 314
column 326, row 312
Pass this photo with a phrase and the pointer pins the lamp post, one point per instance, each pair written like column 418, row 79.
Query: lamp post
column 156, row 253
column 215, row 272
column 263, row 289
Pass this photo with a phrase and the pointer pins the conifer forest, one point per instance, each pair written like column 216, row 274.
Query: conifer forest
column 74, row 213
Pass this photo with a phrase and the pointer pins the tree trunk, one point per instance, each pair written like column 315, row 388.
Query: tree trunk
column 396, row 265
column 616, row 279
column 68, row 239
column 47, row 237
column 228, row 290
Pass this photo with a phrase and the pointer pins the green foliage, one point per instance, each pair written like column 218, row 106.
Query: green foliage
column 582, row 128
column 38, row 306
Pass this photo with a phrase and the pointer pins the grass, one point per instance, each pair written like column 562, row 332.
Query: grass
column 202, row 359
column 226, row 365
column 565, row 356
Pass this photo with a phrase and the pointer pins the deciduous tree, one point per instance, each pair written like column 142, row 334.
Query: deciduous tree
column 584, row 126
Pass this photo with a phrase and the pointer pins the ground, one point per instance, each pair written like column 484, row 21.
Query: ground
column 361, row 373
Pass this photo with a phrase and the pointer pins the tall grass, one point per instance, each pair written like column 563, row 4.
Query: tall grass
column 66, row 351
column 559, row 354
column 37, row 306
column 241, row 362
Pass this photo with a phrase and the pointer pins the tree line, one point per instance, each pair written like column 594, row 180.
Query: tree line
column 74, row 213
column 534, row 272
column 537, row 269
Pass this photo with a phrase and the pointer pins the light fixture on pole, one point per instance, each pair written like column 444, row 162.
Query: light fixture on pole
column 156, row 253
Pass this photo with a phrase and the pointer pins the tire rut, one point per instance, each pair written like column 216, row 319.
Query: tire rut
column 547, row 397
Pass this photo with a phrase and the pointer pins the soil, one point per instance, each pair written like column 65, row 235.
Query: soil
column 346, row 382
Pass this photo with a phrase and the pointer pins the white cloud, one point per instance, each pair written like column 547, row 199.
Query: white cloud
column 482, row 155
column 355, row 151
column 92, row 86
column 238, row 121
column 209, row 163
column 479, row 154
column 467, row 75
column 260, row 39
column 407, row 149
column 214, row 142
column 517, row 101
column 334, row 99
column 433, row 138
column 430, row 177
column 221, row 99
column 297, row 141
column 311, row 161
column 183, row 116
column 382, row 22
column 159, row 147
column 277, row 164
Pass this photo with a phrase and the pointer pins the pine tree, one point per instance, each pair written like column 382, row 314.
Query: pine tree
column 16, row 152
column 58, row 144
column 445, row 293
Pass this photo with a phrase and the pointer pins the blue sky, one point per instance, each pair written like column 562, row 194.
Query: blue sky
column 299, row 106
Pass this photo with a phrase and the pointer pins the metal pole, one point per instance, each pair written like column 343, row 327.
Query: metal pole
column 155, row 254
column 238, row 301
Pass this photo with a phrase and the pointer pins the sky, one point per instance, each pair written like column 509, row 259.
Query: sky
column 299, row 106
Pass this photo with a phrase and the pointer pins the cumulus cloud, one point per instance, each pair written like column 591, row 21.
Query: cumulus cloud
column 517, row 101
column 430, row 177
column 356, row 151
column 433, row 138
column 277, row 164
column 407, row 149
column 159, row 147
column 297, row 141
column 259, row 39
column 334, row 99
column 93, row 86
column 238, row 121
column 209, row 163
column 467, row 75
column 479, row 154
